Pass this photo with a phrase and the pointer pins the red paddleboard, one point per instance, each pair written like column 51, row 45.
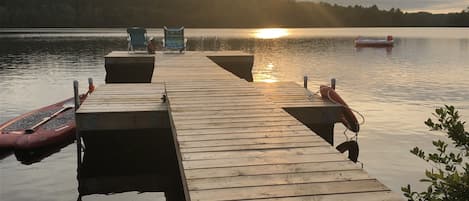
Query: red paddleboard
column 17, row 133
column 347, row 117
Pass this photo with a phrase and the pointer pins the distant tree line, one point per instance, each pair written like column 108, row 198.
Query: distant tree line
column 210, row 13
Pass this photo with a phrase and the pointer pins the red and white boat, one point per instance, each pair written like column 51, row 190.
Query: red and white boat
column 45, row 126
column 369, row 42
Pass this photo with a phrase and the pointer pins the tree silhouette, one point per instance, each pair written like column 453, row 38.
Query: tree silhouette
column 211, row 13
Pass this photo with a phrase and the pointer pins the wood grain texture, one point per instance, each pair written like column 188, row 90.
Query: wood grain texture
column 237, row 143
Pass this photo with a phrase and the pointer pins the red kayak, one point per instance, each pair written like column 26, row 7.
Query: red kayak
column 347, row 117
column 45, row 126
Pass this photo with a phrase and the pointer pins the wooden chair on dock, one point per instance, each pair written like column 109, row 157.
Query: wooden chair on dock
column 174, row 39
column 137, row 38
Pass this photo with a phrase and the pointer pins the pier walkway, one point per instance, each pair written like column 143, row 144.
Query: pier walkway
column 235, row 141
column 236, row 144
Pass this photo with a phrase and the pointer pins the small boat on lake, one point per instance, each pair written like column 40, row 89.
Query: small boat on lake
column 370, row 42
column 42, row 127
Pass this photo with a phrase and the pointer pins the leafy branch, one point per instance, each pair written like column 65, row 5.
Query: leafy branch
column 449, row 178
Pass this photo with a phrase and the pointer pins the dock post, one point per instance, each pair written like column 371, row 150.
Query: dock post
column 333, row 83
column 305, row 81
column 90, row 85
column 77, row 132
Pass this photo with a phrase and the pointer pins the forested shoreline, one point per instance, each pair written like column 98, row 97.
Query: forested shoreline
column 212, row 14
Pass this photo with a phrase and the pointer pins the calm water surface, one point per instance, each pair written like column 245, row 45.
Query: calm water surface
column 395, row 89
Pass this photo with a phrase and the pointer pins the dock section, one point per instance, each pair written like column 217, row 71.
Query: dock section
column 310, row 109
column 122, row 67
column 127, row 140
column 235, row 140
column 234, row 143
column 124, row 106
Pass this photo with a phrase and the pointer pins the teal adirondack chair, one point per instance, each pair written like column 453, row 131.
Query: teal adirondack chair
column 174, row 39
column 137, row 38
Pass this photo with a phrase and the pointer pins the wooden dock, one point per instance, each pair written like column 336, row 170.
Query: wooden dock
column 237, row 140
column 124, row 106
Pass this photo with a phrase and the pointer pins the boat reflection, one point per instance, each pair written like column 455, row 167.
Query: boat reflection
column 31, row 156
column 4, row 153
column 387, row 49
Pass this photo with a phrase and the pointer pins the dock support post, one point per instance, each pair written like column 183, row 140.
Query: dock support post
column 90, row 85
column 333, row 83
column 77, row 133
column 305, row 82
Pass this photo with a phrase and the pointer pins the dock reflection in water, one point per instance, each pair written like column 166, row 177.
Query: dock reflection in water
column 131, row 160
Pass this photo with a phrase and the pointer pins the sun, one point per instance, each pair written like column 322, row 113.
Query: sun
column 271, row 33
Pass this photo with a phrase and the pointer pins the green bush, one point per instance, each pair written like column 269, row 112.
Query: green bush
column 449, row 177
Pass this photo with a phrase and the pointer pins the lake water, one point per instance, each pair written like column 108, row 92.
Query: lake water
column 395, row 89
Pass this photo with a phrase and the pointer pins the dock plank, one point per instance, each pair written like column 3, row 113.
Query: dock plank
column 233, row 142
column 257, row 153
column 255, row 147
column 246, row 135
column 264, row 160
column 271, row 169
column 276, row 191
column 369, row 196
column 276, row 179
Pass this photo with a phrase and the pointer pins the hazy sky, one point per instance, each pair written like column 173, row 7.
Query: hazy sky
column 434, row 6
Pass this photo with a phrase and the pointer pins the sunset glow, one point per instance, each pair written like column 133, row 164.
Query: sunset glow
column 271, row 33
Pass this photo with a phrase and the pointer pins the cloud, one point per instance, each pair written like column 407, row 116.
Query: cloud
column 435, row 6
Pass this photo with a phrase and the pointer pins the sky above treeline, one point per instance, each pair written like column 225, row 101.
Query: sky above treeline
column 433, row 6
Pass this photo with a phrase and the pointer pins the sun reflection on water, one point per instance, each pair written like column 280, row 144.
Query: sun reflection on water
column 266, row 74
column 271, row 33
column 270, row 66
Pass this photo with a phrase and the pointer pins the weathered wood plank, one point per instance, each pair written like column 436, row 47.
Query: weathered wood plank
column 226, row 107
column 258, row 192
column 232, row 142
column 231, row 162
column 221, row 104
column 233, row 115
column 255, row 147
column 240, row 125
column 368, row 196
column 247, row 135
column 258, row 153
column 229, row 113
column 276, row 179
column 209, row 131
column 271, row 169
column 236, row 120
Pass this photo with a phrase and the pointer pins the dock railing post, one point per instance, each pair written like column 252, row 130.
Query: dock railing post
column 90, row 84
column 333, row 83
column 305, row 81
column 77, row 132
